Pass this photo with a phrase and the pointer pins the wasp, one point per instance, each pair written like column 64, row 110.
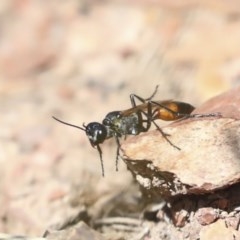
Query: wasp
column 136, row 120
column 97, row 133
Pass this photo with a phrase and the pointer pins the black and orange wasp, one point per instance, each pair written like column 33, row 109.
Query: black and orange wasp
column 136, row 120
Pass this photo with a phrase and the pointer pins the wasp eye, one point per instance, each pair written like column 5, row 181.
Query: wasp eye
column 96, row 133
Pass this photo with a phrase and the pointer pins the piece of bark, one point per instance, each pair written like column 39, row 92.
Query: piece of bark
column 209, row 155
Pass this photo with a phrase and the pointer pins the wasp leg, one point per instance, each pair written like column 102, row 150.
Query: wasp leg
column 118, row 151
column 165, row 136
column 133, row 98
column 142, row 100
column 101, row 160
column 197, row 115
column 150, row 119
column 150, row 114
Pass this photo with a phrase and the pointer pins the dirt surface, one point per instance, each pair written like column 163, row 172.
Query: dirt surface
column 79, row 60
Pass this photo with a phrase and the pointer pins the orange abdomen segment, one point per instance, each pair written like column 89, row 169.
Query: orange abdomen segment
column 177, row 110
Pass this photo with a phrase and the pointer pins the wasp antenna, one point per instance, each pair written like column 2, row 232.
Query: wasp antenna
column 71, row 125
column 101, row 160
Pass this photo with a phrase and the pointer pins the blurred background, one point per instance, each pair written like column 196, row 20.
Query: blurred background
column 79, row 60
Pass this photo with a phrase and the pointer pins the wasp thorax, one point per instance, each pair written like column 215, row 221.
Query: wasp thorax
column 96, row 133
column 111, row 118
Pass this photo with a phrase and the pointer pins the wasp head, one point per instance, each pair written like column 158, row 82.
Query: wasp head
column 96, row 133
